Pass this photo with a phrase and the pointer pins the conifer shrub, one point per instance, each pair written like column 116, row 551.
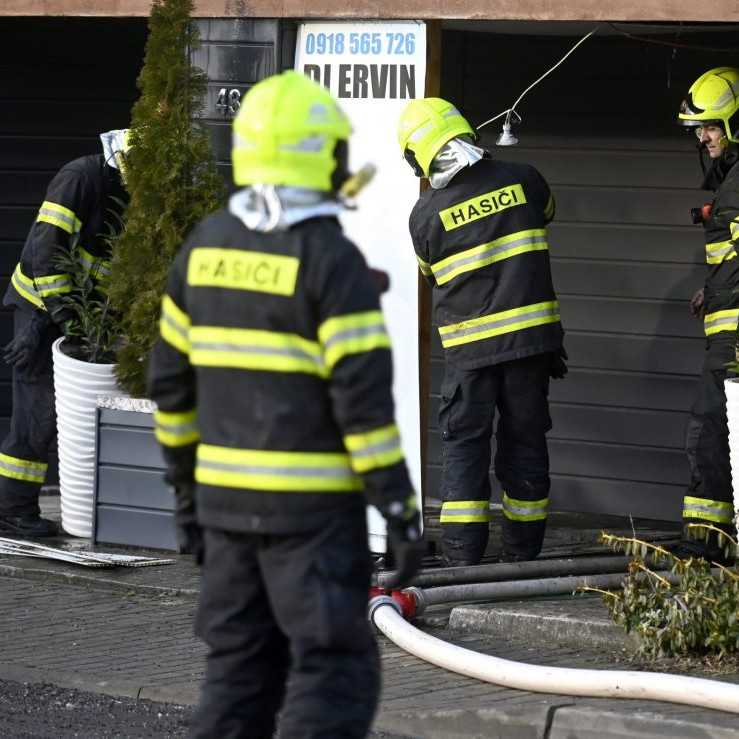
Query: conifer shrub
column 690, row 611
column 172, row 180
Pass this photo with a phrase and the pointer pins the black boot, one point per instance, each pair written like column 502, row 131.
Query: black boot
column 709, row 549
column 28, row 526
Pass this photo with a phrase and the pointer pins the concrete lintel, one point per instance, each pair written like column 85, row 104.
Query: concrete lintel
column 541, row 10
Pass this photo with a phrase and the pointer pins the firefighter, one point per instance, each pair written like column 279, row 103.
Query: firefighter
column 81, row 209
column 272, row 379
column 479, row 233
column 711, row 109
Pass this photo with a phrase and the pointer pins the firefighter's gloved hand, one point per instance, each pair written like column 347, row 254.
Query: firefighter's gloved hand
column 189, row 532
column 697, row 304
column 406, row 546
column 558, row 367
column 26, row 342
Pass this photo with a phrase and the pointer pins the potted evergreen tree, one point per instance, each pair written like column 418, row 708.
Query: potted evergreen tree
column 84, row 364
column 173, row 183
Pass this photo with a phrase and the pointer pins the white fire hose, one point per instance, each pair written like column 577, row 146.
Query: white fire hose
column 386, row 614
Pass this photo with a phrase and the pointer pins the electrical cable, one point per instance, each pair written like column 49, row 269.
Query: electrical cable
column 512, row 109
column 670, row 44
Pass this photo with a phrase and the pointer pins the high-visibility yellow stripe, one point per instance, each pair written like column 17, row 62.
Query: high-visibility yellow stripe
column 98, row 267
column 58, row 215
column 295, row 472
column 425, row 267
column 482, row 206
column 374, row 449
column 353, row 333
column 483, row 255
column 174, row 325
column 22, row 469
column 721, row 320
column 465, row 511
column 515, row 509
column 176, row 429
column 50, row 285
column 25, row 287
column 720, row 251
column 271, row 351
column 716, row 511
column 495, row 324
column 734, row 229
column 239, row 269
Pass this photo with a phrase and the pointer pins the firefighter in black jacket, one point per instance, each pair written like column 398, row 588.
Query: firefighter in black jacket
column 712, row 110
column 480, row 237
column 76, row 212
column 272, row 379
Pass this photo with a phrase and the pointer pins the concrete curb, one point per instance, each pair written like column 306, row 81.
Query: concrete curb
column 563, row 721
column 183, row 694
column 557, row 628
column 88, row 581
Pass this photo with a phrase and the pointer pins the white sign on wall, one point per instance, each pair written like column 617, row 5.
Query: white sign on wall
column 374, row 69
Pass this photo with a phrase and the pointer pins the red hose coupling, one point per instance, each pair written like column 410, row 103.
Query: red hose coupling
column 406, row 599
column 376, row 592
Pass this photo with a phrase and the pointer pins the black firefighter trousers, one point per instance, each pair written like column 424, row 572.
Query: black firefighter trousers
column 24, row 452
column 519, row 390
column 285, row 620
column 709, row 498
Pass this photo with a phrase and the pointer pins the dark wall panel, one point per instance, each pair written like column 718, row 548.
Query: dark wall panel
column 625, row 256
column 63, row 81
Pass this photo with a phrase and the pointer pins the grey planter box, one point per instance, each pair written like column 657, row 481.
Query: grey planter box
column 132, row 504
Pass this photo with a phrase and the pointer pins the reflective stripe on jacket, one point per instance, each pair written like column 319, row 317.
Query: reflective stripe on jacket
column 722, row 242
column 273, row 378
column 76, row 211
column 482, row 243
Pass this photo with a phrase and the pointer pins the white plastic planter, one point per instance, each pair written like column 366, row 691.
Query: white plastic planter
column 731, row 386
column 77, row 385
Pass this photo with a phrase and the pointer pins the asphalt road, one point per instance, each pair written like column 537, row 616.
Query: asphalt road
column 29, row 711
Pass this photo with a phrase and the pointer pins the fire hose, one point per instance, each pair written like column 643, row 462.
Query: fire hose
column 388, row 611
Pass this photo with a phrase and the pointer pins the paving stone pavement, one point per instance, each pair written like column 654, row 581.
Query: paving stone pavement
column 126, row 643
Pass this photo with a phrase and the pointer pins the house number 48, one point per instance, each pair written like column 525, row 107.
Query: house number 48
column 228, row 101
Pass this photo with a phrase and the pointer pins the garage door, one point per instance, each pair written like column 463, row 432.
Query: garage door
column 62, row 82
column 625, row 257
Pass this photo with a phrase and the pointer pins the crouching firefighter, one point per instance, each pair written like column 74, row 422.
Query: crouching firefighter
column 479, row 233
column 272, row 379
column 711, row 109
column 82, row 207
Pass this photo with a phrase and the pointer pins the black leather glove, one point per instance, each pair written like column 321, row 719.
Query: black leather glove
column 406, row 547
column 26, row 342
column 558, row 367
column 189, row 532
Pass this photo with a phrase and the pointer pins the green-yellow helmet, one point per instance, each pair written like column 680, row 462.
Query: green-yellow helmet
column 425, row 125
column 714, row 96
column 286, row 133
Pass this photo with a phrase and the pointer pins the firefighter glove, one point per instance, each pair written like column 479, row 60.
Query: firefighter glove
column 189, row 532
column 27, row 341
column 406, row 548
column 697, row 304
column 558, row 367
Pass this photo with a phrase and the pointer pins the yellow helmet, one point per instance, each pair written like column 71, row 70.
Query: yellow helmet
column 425, row 125
column 286, row 133
column 714, row 96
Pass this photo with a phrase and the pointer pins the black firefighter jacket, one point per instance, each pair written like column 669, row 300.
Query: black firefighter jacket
column 722, row 243
column 482, row 244
column 82, row 207
column 273, row 378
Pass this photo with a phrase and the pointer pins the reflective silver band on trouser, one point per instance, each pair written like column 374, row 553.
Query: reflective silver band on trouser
column 707, row 510
column 525, row 511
